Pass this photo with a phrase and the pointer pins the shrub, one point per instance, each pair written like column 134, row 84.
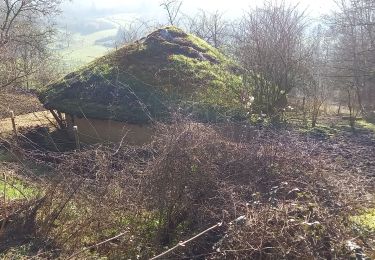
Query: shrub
column 295, row 205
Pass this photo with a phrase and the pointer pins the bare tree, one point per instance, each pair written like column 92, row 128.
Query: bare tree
column 134, row 30
column 317, row 84
column 354, row 60
column 269, row 43
column 212, row 27
column 25, row 31
column 173, row 9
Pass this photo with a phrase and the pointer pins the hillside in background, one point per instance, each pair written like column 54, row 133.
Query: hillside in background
column 79, row 47
column 86, row 35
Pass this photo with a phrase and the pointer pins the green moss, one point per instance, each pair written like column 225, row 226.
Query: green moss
column 6, row 156
column 174, row 29
column 210, row 50
column 217, row 89
column 167, row 71
column 217, row 92
column 366, row 220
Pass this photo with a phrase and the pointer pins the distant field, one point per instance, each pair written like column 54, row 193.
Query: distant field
column 83, row 50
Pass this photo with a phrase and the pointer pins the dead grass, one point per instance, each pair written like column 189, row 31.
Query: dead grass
column 294, row 202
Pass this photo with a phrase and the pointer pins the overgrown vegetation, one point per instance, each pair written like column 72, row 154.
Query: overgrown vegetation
column 253, row 156
column 191, row 177
column 19, row 102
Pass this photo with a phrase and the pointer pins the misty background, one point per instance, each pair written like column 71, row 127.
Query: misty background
column 91, row 28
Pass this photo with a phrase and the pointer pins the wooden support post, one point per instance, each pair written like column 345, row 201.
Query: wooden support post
column 76, row 137
column 14, row 124
column 58, row 118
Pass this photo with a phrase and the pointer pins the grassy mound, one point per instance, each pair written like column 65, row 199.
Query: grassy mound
column 165, row 72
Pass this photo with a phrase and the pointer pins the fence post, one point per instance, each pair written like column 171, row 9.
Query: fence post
column 14, row 123
column 76, row 138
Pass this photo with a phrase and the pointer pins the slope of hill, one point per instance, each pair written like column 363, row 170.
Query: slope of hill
column 167, row 71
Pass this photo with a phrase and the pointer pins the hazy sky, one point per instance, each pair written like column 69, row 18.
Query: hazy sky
column 230, row 7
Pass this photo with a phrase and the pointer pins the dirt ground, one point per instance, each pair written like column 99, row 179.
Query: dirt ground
column 42, row 118
column 349, row 151
column 353, row 151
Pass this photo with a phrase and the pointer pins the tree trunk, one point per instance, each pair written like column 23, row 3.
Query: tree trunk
column 304, row 111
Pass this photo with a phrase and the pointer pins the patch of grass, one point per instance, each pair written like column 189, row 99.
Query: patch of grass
column 366, row 125
column 366, row 221
column 15, row 189
column 74, row 58
column 320, row 131
column 74, row 219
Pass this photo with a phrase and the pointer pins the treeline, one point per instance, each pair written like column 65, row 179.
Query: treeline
column 281, row 51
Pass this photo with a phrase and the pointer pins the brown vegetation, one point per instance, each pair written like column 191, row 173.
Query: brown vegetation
column 249, row 190
column 296, row 202
column 20, row 103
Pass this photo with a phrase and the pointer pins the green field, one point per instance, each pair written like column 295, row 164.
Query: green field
column 82, row 48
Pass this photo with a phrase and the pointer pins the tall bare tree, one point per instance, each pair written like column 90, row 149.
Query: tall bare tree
column 173, row 9
column 25, row 31
column 317, row 84
column 269, row 44
column 212, row 27
column 353, row 25
column 134, row 30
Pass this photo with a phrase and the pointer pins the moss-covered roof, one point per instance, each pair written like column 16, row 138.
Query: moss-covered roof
column 166, row 71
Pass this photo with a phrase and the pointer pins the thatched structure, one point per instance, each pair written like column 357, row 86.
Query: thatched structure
column 166, row 72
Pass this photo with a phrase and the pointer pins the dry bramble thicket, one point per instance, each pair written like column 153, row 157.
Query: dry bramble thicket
column 274, row 194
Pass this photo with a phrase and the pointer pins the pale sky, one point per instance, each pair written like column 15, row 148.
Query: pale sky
column 230, row 7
